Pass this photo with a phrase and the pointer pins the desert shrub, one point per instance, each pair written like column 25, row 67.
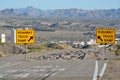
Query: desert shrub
column 117, row 52
column 2, row 55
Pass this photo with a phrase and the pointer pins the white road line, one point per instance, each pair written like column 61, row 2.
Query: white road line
column 46, row 75
column 22, row 75
column 103, row 69
column 1, row 76
column 62, row 69
column 25, row 75
column 43, row 66
column 35, row 70
column 57, row 66
column 54, row 69
column 42, row 69
column 11, row 71
column 54, row 74
column 9, row 65
column 96, row 71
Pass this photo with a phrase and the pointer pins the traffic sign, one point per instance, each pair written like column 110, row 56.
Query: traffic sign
column 105, row 35
column 25, row 36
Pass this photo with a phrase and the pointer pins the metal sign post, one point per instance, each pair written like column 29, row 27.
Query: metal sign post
column 26, row 52
column 105, row 52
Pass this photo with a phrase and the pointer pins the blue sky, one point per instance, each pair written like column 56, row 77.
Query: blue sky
column 61, row 4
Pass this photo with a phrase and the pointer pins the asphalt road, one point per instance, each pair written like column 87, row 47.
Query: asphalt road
column 16, row 68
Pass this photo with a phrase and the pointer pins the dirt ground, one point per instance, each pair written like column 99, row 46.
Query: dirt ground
column 113, row 71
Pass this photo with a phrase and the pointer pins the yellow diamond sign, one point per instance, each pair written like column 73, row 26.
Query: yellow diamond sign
column 25, row 36
column 105, row 36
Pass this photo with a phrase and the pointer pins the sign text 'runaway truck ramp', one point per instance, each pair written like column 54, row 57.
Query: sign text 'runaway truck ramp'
column 25, row 36
column 105, row 36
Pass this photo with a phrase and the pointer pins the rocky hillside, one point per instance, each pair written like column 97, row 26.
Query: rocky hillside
column 61, row 13
column 10, row 49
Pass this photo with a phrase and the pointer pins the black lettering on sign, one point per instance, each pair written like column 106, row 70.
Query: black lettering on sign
column 24, row 32
column 106, row 31
column 21, row 40
column 108, row 36
column 108, row 40
column 23, row 36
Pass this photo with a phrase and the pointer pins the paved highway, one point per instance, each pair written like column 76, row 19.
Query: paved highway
column 16, row 68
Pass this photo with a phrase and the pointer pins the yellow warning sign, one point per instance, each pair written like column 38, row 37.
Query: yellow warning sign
column 25, row 36
column 105, row 36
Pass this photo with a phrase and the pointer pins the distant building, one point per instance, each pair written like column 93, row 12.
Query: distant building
column 77, row 44
column 91, row 42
